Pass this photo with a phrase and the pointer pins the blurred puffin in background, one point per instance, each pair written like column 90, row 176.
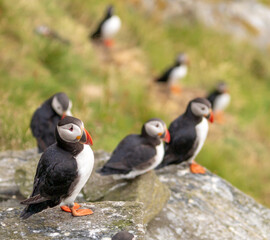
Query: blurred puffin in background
column 107, row 28
column 188, row 134
column 62, row 171
column 138, row 154
column 46, row 117
column 220, row 99
column 174, row 73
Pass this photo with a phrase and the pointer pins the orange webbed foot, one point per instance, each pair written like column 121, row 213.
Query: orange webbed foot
column 81, row 212
column 196, row 168
column 108, row 43
column 67, row 209
column 176, row 90
column 219, row 117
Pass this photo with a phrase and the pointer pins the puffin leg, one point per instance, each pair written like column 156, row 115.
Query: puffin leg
column 80, row 212
column 67, row 209
column 108, row 43
column 219, row 117
column 176, row 89
column 196, row 168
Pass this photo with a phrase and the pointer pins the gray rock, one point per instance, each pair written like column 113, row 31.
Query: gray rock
column 146, row 189
column 9, row 162
column 207, row 207
column 108, row 219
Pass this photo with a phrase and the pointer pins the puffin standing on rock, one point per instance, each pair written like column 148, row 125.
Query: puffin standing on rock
column 188, row 134
column 138, row 154
column 62, row 171
column 107, row 28
column 46, row 117
column 174, row 73
column 220, row 99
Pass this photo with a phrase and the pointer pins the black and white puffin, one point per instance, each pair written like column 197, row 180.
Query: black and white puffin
column 46, row 117
column 137, row 154
column 174, row 73
column 107, row 28
column 220, row 99
column 188, row 134
column 62, row 171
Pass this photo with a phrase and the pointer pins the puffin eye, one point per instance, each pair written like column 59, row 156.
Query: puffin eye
column 71, row 128
column 203, row 108
column 157, row 125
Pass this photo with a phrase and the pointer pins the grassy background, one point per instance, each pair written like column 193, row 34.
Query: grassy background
column 111, row 91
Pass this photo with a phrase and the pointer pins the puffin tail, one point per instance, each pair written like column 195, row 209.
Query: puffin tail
column 36, row 204
column 105, row 171
column 33, row 209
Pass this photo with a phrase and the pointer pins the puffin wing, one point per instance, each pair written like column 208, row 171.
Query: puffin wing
column 183, row 142
column 97, row 34
column 212, row 96
column 130, row 154
column 165, row 76
column 55, row 174
column 53, row 180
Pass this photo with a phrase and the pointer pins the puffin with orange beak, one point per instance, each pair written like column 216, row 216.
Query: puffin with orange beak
column 46, row 117
column 137, row 154
column 62, row 171
column 188, row 134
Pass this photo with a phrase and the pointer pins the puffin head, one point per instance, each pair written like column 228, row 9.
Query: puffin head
column 201, row 107
column 71, row 130
column 61, row 104
column 156, row 128
column 222, row 87
column 110, row 10
column 182, row 59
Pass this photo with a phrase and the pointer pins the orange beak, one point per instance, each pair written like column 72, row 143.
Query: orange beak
column 64, row 115
column 86, row 138
column 211, row 117
column 167, row 137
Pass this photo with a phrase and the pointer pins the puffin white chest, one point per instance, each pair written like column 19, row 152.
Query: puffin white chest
column 159, row 156
column 201, row 131
column 85, row 163
column 221, row 102
column 178, row 73
column 110, row 27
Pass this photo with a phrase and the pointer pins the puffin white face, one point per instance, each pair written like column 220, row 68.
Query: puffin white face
column 58, row 108
column 70, row 132
column 200, row 109
column 154, row 128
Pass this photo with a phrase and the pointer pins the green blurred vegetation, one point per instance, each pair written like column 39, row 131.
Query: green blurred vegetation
column 112, row 97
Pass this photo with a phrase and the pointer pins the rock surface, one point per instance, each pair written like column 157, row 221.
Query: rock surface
column 146, row 189
column 9, row 162
column 108, row 219
column 207, row 207
column 246, row 19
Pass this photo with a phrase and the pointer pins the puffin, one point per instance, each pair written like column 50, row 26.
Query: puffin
column 177, row 71
column 188, row 134
column 46, row 117
column 62, row 171
column 220, row 99
column 137, row 154
column 107, row 28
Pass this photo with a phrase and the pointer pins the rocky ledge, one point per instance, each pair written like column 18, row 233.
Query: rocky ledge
column 108, row 219
column 207, row 207
column 199, row 207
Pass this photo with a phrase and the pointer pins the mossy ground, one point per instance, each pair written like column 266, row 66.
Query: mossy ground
column 111, row 93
